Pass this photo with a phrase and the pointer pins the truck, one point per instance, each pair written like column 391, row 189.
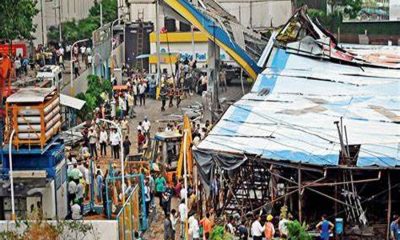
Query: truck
column 50, row 76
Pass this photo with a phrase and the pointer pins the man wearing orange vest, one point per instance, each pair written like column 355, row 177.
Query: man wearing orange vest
column 207, row 226
column 269, row 228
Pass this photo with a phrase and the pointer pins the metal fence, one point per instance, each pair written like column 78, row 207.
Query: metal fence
column 131, row 216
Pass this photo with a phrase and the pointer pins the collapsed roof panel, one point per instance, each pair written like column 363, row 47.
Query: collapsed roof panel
column 294, row 119
column 302, row 36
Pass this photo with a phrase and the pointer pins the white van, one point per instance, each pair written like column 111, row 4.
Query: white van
column 50, row 76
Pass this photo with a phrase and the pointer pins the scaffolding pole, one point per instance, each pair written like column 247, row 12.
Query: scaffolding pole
column 389, row 211
column 299, row 190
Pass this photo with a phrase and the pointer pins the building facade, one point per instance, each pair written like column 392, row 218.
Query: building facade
column 49, row 15
column 250, row 13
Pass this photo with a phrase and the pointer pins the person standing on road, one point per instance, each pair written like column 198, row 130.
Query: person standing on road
column 103, row 142
column 325, row 227
column 135, row 91
column 131, row 104
column 146, row 127
column 127, row 145
column 163, row 97
column 115, row 139
column 147, row 196
column 142, row 93
column 99, row 186
column 75, row 64
column 182, row 213
column 257, row 230
column 92, row 143
column 193, row 227
column 269, row 228
column 171, row 94
column 395, row 228
column 141, row 140
column 122, row 106
column 161, row 186
column 178, row 95
column 173, row 218
column 222, row 80
column 207, row 226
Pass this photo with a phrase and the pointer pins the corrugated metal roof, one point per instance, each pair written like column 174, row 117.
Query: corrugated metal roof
column 290, row 112
column 30, row 95
column 71, row 102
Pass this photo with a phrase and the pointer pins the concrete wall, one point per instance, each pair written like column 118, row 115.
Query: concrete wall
column 80, row 83
column 102, row 230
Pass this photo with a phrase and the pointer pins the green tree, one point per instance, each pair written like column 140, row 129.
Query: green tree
column 109, row 10
column 93, row 95
column 352, row 7
column 298, row 231
column 16, row 19
column 74, row 30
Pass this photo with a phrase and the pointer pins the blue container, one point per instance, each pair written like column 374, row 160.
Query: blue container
column 339, row 226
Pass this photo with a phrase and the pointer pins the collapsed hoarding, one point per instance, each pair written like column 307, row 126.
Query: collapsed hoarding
column 318, row 116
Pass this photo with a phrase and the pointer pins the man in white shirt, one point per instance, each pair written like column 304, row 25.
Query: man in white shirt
column 92, row 142
column 183, row 193
column 140, row 127
column 146, row 126
column 193, row 228
column 71, row 191
column 131, row 104
column 83, row 49
column 282, row 226
column 122, row 106
column 257, row 231
column 182, row 209
column 103, row 142
column 115, row 139
column 142, row 97
column 76, row 211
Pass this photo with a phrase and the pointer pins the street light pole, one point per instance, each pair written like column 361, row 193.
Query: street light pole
column 121, row 156
column 71, row 90
column 59, row 17
column 101, row 14
column 185, row 180
column 158, row 43
column 112, row 32
column 13, row 216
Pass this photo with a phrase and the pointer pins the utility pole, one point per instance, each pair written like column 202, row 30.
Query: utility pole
column 213, row 66
column 251, row 13
column 158, row 42
column 59, row 21
column 42, row 20
column 101, row 14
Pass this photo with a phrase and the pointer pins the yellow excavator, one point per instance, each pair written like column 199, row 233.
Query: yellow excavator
column 167, row 153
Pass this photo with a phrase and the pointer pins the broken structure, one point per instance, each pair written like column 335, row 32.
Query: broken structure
column 319, row 133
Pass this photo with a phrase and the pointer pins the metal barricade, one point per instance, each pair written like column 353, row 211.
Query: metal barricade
column 131, row 215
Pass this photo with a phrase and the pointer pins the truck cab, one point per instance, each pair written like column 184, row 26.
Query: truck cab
column 50, row 76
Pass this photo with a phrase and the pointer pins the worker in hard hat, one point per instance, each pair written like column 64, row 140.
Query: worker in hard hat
column 269, row 231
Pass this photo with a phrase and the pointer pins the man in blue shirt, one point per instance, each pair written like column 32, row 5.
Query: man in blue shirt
column 395, row 228
column 325, row 228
